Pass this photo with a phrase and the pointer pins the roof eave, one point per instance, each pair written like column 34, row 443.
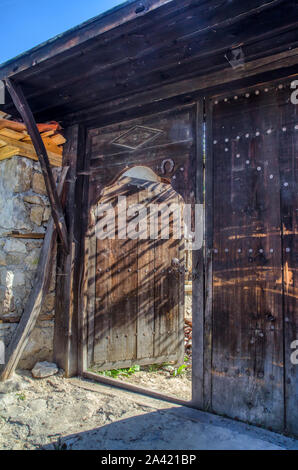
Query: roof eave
column 74, row 37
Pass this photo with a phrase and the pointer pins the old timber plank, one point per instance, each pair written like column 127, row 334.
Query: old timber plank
column 37, row 295
column 22, row 106
column 65, row 333
column 288, row 165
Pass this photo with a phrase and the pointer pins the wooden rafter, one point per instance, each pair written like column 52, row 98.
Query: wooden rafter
column 22, row 106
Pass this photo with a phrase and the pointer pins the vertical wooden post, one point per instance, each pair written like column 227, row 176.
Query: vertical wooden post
column 208, row 308
column 66, row 320
column 82, row 256
column 198, row 304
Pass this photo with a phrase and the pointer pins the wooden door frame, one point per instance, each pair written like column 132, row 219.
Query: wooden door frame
column 71, row 355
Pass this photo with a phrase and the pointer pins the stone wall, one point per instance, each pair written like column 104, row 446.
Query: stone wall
column 24, row 208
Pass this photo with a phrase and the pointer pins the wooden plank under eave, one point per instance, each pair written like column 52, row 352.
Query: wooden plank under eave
column 53, row 144
column 11, row 147
column 37, row 295
column 58, row 139
column 8, row 151
column 12, row 134
column 29, row 148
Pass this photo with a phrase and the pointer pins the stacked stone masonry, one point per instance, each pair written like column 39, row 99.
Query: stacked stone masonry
column 24, row 209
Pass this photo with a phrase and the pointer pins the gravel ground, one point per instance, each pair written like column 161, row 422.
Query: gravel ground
column 164, row 381
column 58, row 413
column 36, row 413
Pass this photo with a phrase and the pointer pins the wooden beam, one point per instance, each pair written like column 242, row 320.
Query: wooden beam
column 82, row 254
column 194, row 87
column 36, row 298
column 27, row 236
column 135, row 389
column 66, row 322
column 197, row 285
column 208, row 307
column 170, row 52
column 27, row 116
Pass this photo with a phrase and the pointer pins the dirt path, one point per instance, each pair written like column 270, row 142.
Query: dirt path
column 163, row 382
column 37, row 413
column 58, row 413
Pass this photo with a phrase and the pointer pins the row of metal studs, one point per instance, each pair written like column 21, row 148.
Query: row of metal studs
column 250, row 250
column 247, row 95
column 257, row 134
column 136, row 270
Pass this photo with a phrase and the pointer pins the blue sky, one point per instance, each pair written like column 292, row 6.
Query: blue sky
column 27, row 23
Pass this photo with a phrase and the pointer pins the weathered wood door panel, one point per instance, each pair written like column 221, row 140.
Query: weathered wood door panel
column 135, row 296
column 254, row 312
column 288, row 152
column 165, row 142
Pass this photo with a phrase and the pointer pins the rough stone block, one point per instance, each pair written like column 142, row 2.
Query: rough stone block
column 13, row 213
column 46, row 214
column 19, row 279
column 36, row 215
column 38, row 184
column 31, row 261
column 15, row 246
column 2, row 259
column 34, row 200
column 6, row 332
column 44, row 369
column 49, row 303
column 40, row 345
column 16, row 174
column 16, row 259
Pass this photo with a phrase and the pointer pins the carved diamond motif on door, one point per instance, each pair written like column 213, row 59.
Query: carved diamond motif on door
column 136, row 137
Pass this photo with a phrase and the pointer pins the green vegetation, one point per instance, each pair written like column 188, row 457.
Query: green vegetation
column 180, row 370
column 122, row 372
column 175, row 372
column 21, row 396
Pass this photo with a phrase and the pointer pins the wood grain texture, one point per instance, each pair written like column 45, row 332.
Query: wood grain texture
column 288, row 160
column 135, row 277
column 66, row 322
column 137, row 316
column 174, row 139
column 198, row 265
column 170, row 48
column 253, row 157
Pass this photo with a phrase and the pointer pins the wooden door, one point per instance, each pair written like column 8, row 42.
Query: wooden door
column 254, row 308
column 135, row 287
